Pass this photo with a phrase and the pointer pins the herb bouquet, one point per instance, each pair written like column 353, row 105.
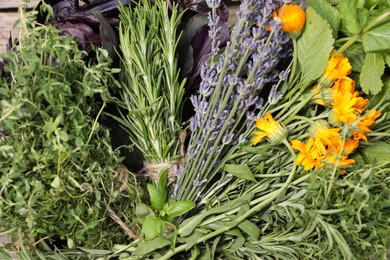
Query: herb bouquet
column 285, row 153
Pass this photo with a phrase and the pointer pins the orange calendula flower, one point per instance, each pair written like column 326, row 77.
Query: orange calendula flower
column 364, row 123
column 338, row 160
column 324, row 137
column 350, row 146
column 344, row 107
column 272, row 129
column 309, row 156
column 293, row 19
column 337, row 67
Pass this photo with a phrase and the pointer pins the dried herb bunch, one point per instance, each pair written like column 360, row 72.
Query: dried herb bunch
column 57, row 168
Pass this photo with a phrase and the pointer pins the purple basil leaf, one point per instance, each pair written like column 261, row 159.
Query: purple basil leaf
column 108, row 35
column 9, row 44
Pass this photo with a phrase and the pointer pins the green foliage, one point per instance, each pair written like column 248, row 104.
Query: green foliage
column 240, row 171
column 377, row 39
column 54, row 184
column 151, row 93
column 353, row 16
column 327, row 12
column 314, row 46
column 372, row 71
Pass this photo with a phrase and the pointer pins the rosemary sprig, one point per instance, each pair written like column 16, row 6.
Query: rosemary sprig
column 152, row 94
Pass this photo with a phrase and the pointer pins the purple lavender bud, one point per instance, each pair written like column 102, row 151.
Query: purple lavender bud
column 175, row 190
column 197, row 182
column 274, row 96
column 227, row 139
column 213, row 4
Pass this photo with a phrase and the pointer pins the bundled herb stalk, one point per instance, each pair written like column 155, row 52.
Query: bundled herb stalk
column 58, row 175
column 151, row 94
column 228, row 101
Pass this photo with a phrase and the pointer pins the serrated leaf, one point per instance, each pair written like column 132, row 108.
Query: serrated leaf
column 251, row 229
column 377, row 153
column 149, row 246
column 377, row 39
column 356, row 55
column 153, row 227
column 240, row 171
column 328, row 12
column 157, row 199
column 314, row 46
column 353, row 18
column 372, row 71
column 177, row 208
column 387, row 59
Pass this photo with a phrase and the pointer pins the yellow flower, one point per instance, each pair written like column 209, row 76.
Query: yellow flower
column 337, row 67
column 272, row 129
column 339, row 160
column 293, row 19
column 344, row 107
column 350, row 146
column 309, row 157
column 368, row 120
column 364, row 123
column 324, row 137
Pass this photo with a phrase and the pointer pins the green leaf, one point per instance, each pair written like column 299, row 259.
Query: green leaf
column 157, row 199
column 372, row 71
column 328, row 12
column 153, row 227
column 387, row 59
column 188, row 226
column 240, row 171
column 314, row 46
column 191, row 240
column 237, row 244
column 356, row 55
column 56, row 183
column 142, row 210
column 352, row 17
column 149, row 246
column 251, row 229
column 377, row 39
column 163, row 180
column 177, row 208
column 377, row 153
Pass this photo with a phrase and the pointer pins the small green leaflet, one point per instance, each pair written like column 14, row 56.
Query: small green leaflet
column 157, row 197
column 314, row 46
column 372, row 71
column 328, row 12
column 153, row 227
column 240, row 171
column 377, row 39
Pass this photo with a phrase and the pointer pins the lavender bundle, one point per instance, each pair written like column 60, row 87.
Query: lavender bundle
column 228, row 101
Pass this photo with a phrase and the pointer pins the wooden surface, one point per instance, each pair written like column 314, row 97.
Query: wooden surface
column 5, row 4
column 8, row 16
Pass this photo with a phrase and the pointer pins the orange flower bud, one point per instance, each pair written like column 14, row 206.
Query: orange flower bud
column 292, row 18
